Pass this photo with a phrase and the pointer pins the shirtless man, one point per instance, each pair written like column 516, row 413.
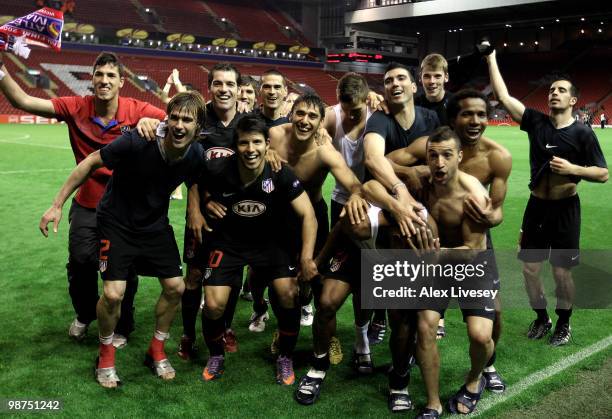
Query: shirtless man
column 484, row 159
column 444, row 195
column 311, row 155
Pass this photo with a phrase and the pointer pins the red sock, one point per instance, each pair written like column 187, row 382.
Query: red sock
column 156, row 349
column 107, row 356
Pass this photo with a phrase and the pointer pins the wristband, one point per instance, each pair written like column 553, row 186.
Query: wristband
column 397, row 186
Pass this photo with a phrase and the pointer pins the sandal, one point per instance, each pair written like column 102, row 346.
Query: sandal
column 399, row 402
column 494, row 382
column 106, row 375
column 428, row 413
column 159, row 368
column 466, row 398
column 308, row 390
column 363, row 363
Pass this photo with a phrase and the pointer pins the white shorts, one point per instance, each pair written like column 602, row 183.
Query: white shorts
column 373, row 213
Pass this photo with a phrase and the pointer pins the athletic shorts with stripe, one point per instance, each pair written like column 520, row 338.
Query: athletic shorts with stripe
column 225, row 265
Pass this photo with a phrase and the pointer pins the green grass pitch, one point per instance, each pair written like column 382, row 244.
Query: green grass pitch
column 38, row 361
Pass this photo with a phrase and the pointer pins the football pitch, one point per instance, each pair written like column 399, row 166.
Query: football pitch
column 39, row 362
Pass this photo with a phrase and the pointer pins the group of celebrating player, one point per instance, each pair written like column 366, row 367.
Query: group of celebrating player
column 255, row 175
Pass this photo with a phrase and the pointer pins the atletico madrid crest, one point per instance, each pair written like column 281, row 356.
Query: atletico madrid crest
column 267, row 185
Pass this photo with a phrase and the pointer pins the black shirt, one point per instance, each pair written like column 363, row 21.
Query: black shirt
column 138, row 194
column 575, row 143
column 253, row 211
column 272, row 122
column 438, row 107
column 216, row 138
column 396, row 137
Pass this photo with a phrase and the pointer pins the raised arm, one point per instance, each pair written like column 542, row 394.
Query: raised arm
column 76, row 178
column 512, row 105
column 21, row 100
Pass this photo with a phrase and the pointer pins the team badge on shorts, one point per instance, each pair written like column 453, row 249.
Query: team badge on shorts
column 337, row 261
column 267, row 185
column 125, row 129
column 207, row 273
column 102, row 265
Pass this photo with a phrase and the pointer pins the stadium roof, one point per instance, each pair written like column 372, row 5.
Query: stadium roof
column 428, row 16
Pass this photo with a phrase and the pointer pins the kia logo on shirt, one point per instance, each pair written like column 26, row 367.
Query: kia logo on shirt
column 249, row 208
column 216, row 152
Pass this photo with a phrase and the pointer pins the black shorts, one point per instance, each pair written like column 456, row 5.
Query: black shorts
column 551, row 230
column 345, row 264
column 477, row 306
column 151, row 254
column 225, row 266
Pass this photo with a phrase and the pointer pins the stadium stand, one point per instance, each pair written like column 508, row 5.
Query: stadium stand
column 117, row 14
column 16, row 7
column 251, row 21
column 192, row 17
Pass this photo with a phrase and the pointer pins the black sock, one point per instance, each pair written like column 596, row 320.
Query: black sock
column 288, row 329
column 491, row 360
column 542, row 314
column 258, row 289
column 213, row 330
column 230, row 307
column 564, row 315
column 190, row 304
column 320, row 364
column 398, row 381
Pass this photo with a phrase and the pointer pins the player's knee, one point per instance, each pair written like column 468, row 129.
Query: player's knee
column 327, row 306
column 561, row 274
column 480, row 337
column 288, row 298
column 174, row 289
column 214, row 309
column 426, row 330
column 531, row 270
column 113, row 297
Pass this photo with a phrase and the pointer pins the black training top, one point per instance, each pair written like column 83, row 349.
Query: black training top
column 438, row 107
column 216, row 138
column 138, row 194
column 575, row 143
column 271, row 122
column 253, row 212
column 425, row 121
